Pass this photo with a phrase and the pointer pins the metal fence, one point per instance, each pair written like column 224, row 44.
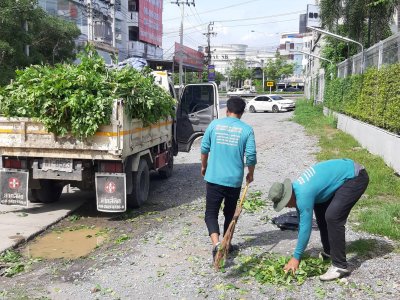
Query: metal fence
column 385, row 52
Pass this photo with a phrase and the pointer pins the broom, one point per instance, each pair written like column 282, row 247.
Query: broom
column 226, row 241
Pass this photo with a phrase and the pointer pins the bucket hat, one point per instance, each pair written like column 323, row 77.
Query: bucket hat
column 280, row 194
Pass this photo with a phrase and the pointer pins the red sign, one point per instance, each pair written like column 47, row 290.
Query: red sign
column 13, row 183
column 109, row 187
column 150, row 21
column 190, row 57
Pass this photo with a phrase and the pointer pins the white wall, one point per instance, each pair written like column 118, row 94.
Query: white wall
column 376, row 140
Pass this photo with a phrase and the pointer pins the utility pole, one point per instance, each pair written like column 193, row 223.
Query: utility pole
column 112, row 4
column 208, row 34
column 89, row 19
column 181, row 4
column 263, row 77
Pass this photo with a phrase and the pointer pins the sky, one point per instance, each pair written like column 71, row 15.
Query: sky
column 256, row 23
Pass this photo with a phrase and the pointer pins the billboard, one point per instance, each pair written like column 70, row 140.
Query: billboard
column 150, row 21
column 313, row 18
column 191, row 58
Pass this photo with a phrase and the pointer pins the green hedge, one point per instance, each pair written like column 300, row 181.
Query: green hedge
column 373, row 97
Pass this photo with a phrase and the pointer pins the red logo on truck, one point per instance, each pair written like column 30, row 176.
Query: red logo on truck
column 109, row 187
column 13, row 183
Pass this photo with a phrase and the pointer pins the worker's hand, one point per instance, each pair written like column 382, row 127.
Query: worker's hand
column 292, row 265
column 203, row 171
column 249, row 177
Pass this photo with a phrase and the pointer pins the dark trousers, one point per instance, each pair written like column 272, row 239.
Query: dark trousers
column 215, row 194
column 332, row 216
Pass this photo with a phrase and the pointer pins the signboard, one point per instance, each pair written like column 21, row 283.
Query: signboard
column 14, row 187
column 303, row 23
column 313, row 18
column 111, row 192
column 270, row 83
column 190, row 57
column 211, row 73
column 150, row 21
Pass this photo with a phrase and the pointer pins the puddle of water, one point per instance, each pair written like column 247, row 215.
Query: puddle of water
column 66, row 244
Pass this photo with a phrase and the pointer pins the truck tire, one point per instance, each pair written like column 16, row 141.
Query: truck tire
column 166, row 172
column 49, row 192
column 141, row 185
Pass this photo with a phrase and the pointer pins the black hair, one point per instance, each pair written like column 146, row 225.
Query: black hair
column 236, row 105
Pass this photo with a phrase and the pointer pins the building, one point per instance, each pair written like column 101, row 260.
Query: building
column 289, row 46
column 138, row 24
column 222, row 56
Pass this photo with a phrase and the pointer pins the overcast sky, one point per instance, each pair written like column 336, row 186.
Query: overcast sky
column 234, row 21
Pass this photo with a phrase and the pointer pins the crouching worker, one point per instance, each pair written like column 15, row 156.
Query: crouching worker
column 330, row 188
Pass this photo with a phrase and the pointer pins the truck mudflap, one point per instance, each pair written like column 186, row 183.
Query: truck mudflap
column 111, row 192
column 14, row 187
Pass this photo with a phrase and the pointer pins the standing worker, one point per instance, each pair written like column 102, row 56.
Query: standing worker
column 225, row 144
column 330, row 188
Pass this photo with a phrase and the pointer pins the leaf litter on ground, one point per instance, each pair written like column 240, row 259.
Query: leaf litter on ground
column 267, row 268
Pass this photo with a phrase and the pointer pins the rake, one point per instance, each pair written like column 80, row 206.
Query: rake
column 226, row 241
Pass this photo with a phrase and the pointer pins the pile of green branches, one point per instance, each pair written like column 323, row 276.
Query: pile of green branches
column 77, row 98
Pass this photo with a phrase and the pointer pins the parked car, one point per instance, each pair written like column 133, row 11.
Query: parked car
column 292, row 89
column 241, row 92
column 272, row 103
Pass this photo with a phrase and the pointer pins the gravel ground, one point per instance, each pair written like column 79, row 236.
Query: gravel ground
column 169, row 255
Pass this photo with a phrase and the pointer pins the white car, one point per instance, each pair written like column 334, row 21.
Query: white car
column 272, row 103
column 241, row 93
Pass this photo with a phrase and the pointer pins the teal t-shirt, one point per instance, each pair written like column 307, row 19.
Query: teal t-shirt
column 317, row 184
column 228, row 141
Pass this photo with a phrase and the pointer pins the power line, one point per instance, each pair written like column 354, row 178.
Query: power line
column 263, row 17
column 218, row 9
column 271, row 22
column 182, row 4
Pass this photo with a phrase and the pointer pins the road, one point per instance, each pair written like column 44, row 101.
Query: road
column 162, row 250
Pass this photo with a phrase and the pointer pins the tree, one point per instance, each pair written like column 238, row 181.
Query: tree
column 278, row 67
column 239, row 71
column 196, row 77
column 51, row 39
column 366, row 21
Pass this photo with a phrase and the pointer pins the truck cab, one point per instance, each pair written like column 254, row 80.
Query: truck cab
column 196, row 108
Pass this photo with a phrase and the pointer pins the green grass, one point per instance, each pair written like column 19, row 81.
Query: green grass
column 378, row 211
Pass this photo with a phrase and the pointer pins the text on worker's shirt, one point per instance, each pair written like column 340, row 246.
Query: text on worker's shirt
column 227, row 135
column 306, row 176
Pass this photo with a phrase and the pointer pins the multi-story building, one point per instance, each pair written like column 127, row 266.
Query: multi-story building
column 138, row 24
column 222, row 56
column 289, row 44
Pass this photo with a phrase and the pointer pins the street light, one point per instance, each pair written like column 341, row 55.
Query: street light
column 313, row 55
column 262, row 68
column 342, row 38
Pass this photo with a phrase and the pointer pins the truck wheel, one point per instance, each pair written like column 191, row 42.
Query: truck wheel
column 141, row 185
column 166, row 172
column 49, row 192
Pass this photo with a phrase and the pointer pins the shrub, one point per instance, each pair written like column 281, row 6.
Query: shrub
column 373, row 97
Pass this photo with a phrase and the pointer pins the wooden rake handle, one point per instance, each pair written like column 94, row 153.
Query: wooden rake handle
column 243, row 195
